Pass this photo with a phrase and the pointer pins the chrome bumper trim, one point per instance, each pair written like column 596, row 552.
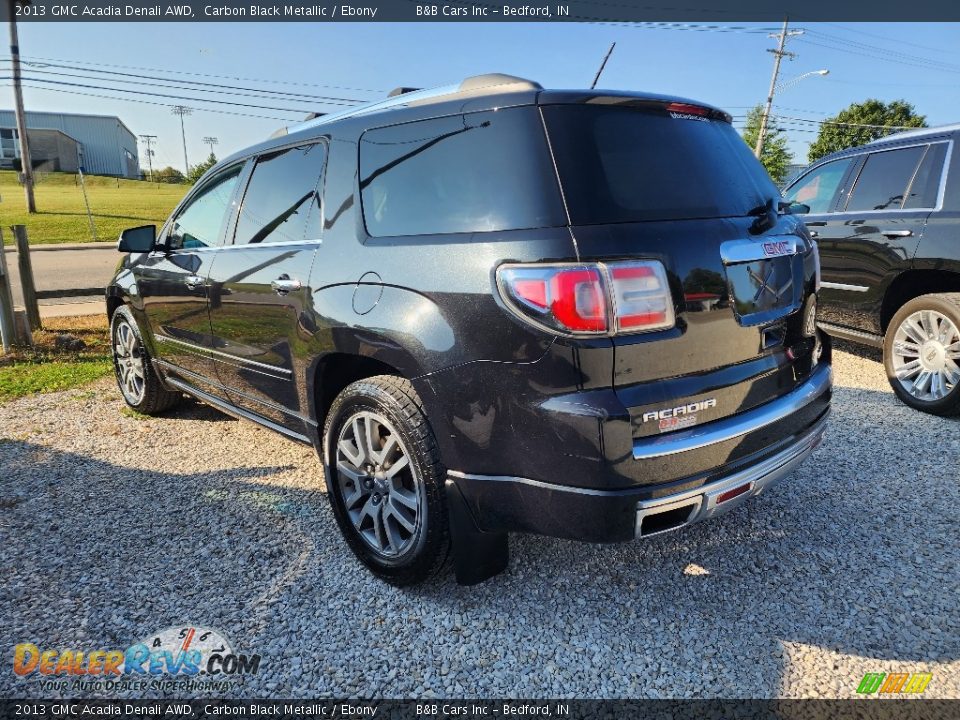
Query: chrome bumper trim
column 703, row 500
column 719, row 431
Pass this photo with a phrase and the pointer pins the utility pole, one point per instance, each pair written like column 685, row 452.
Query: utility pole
column 778, row 54
column 211, row 141
column 149, row 139
column 596, row 78
column 25, row 162
column 182, row 110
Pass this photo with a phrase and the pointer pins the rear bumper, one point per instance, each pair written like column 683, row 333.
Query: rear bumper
column 517, row 504
column 674, row 511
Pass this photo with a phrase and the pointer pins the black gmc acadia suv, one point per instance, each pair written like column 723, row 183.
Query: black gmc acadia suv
column 492, row 308
column 887, row 219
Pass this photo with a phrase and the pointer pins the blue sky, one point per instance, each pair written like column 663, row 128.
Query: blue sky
column 914, row 61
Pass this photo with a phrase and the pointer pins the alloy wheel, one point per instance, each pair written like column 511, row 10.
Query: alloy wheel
column 128, row 361
column 926, row 355
column 381, row 491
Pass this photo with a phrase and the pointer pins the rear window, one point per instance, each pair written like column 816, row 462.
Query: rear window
column 621, row 164
column 479, row 172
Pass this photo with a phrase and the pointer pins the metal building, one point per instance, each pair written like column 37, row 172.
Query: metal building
column 104, row 144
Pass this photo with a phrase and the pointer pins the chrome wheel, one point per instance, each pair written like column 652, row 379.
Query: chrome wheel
column 381, row 492
column 128, row 361
column 925, row 355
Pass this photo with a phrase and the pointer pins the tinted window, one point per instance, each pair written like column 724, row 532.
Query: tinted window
column 883, row 180
column 621, row 164
column 818, row 188
column 926, row 183
column 200, row 222
column 282, row 197
column 468, row 173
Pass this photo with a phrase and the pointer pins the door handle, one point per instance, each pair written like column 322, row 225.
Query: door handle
column 193, row 281
column 896, row 233
column 814, row 234
column 285, row 284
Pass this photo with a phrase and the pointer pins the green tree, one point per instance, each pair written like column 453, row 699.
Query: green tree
column 776, row 158
column 862, row 122
column 168, row 175
column 197, row 171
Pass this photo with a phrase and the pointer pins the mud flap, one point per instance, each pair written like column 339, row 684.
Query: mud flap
column 477, row 555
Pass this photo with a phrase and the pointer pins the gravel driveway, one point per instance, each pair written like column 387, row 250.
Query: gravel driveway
column 114, row 527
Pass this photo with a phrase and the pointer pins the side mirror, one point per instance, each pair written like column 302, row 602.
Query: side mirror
column 796, row 208
column 138, row 240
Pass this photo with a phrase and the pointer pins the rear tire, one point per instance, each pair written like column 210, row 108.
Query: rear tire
column 921, row 353
column 385, row 480
column 136, row 378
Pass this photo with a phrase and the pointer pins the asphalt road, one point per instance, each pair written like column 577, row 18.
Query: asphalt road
column 66, row 267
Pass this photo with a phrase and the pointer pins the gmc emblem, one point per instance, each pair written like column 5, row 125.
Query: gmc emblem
column 778, row 248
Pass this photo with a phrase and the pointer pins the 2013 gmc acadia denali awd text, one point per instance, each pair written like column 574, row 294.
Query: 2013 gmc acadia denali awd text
column 492, row 308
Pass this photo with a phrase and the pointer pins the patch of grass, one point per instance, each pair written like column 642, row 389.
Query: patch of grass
column 45, row 368
column 62, row 216
column 22, row 379
column 131, row 413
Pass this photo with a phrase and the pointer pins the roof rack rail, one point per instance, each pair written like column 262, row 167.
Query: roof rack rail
column 488, row 84
column 919, row 132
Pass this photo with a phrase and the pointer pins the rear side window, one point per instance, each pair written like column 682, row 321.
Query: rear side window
column 281, row 201
column 925, row 188
column 626, row 164
column 479, row 172
column 884, row 179
column 818, row 188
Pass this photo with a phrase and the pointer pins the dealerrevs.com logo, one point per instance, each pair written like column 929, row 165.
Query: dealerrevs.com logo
column 178, row 658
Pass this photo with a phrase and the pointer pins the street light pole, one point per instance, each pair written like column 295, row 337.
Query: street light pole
column 211, row 141
column 149, row 139
column 778, row 54
column 25, row 162
column 182, row 110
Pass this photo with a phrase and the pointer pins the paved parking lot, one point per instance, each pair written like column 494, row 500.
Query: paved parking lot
column 114, row 527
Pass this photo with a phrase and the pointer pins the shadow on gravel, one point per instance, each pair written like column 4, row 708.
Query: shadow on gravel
column 862, row 351
column 191, row 409
column 853, row 554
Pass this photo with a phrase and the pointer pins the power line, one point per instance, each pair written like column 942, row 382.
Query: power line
column 208, row 75
column 37, row 68
column 143, row 83
column 164, row 95
column 873, row 47
column 878, row 54
column 159, row 104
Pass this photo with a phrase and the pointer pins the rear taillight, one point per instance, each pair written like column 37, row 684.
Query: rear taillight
column 641, row 296
column 592, row 298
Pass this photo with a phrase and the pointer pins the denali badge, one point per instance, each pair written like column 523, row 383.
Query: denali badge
column 680, row 411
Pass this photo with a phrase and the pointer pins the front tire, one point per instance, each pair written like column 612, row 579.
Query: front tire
column 921, row 353
column 385, row 480
column 136, row 378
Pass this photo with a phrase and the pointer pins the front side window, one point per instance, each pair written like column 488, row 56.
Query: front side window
column 480, row 172
column 818, row 189
column 281, row 203
column 200, row 223
column 884, row 178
